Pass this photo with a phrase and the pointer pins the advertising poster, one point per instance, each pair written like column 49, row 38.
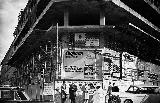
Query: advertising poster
column 82, row 64
column 87, row 39
column 48, row 89
column 111, row 63
column 129, row 71
column 148, row 71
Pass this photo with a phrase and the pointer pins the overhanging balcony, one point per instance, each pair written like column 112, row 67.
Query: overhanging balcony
column 129, row 26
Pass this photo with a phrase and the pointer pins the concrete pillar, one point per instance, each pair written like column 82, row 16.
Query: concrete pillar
column 120, row 61
column 66, row 16
column 102, row 17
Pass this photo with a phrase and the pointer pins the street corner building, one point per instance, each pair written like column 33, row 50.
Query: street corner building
column 83, row 42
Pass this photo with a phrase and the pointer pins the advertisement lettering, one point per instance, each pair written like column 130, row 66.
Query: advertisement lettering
column 81, row 64
column 72, row 69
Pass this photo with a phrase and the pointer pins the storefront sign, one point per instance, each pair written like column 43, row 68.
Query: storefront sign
column 82, row 64
column 86, row 39
column 92, row 42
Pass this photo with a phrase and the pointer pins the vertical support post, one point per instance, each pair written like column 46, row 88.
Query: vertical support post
column 53, row 70
column 102, row 17
column 95, row 60
column 43, row 81
column 57, row 48
column 52, row 59
column 35, row 73
column 33, row 63
column 120, row 61
column 66, row 16
column 57, row 67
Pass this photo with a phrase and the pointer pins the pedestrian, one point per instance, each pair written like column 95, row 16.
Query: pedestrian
column 86, row 93
column 109, row 91
column 83, row 92
column 99, row 95
column 115, row 88
column 63, row 92
column 72, row 92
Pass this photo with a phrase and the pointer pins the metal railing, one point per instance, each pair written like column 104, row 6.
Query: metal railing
column 27, row 14
column 155, row 4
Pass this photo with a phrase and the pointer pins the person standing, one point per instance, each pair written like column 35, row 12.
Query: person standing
column 99, row 95
column 86, row 93
column 83, row 92
column 63, row 92
column 115, row 88
column 72, row 92
column 109, row 91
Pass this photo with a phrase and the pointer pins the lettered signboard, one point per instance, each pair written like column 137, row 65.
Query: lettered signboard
column 82, row 64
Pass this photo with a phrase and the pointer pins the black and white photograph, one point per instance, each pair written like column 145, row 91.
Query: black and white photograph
column 79, row 51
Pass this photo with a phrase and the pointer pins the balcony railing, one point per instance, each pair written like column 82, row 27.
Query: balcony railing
column 26, row 15
column 155, row 4
column 27, row 18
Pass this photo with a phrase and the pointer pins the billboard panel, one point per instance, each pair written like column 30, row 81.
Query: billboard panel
column 87, row 39
column 82, row 64
column 111, row 65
